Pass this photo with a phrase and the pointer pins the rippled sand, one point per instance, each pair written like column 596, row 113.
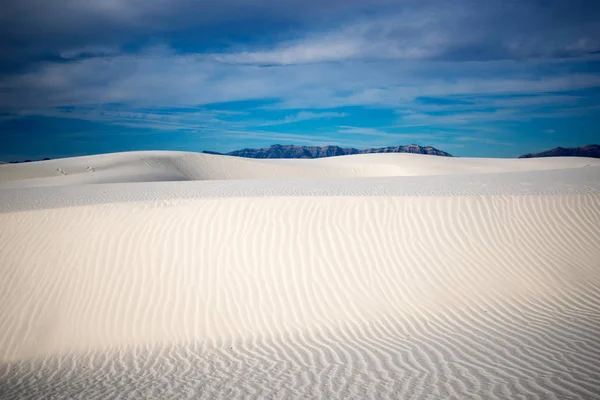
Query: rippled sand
column 371, row 276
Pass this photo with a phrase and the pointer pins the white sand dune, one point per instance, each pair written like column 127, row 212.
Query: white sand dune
column 157, row 166
column 480, row 280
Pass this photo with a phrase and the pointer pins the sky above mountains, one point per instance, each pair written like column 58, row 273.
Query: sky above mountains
column 473, row 78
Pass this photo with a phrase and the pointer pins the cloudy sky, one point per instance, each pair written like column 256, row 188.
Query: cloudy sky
column 483, row 78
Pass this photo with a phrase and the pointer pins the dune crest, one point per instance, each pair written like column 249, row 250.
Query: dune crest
column 157, row 166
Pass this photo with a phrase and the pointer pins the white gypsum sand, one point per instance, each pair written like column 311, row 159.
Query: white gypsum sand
column 370, row 276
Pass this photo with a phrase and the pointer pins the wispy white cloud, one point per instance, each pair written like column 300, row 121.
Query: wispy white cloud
column 484, row 140
column 455, row 31
column 163, row 79
column 420, row 119
column 467, row 103
column 361, row 130
column 389, row 135
column 90, row 51
column 198, row 120
column 311, row 51
column 369, row 40
column 304, row 116
column 407, row 86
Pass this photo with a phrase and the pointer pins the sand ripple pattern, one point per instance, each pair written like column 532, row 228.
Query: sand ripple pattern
column 303, row 297
column 538, row 183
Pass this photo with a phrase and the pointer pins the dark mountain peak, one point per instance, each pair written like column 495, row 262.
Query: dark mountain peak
column 411, row 148
column 590, row 150
column 292, row 151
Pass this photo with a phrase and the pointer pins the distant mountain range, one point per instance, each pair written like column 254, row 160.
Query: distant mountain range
column 590, row 150
column 291, row 151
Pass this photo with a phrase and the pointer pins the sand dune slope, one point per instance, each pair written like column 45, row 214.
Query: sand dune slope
column 156, row 166
column 330, row 296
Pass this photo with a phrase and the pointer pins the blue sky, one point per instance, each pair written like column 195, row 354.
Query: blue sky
column 474, row 78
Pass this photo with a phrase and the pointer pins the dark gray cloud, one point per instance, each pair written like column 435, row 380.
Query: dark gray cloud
column 464, row 29
column 27, row 26
column 323, row 52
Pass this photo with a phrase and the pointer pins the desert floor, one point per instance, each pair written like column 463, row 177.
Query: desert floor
column 181, row 275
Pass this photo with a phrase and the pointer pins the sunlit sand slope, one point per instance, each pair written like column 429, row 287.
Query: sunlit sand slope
column 349, row 293
column 155, row 166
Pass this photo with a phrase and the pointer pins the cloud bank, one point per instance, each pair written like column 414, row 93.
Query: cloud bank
column 431, row 64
